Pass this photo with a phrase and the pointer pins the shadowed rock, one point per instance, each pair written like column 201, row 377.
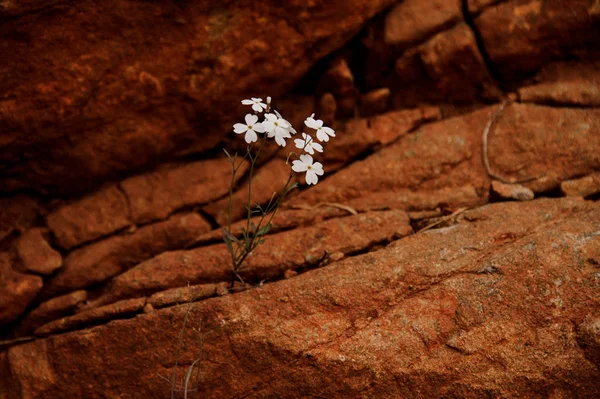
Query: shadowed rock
column 488, row 306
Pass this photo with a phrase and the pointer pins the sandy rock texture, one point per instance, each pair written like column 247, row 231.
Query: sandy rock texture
column 93, row 89
column 484, row 307
column 451, row 249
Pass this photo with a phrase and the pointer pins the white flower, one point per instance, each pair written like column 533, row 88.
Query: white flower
column 257, row 104
column 323, row 132
column 277, row 127
column 305, row 164
column 290, row 128
column 308, row 144
column 250, row 128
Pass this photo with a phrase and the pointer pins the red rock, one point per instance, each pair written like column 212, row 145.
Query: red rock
column 565, row 83
column 121, row 96
column 361, row 135
column 17, row 290
column 156, row 195
column 102, row 260
column 268, row 180
column 339, row 80
column 89, row 218
column 327, row 109
column 35, row 254
column 562, row 93
column 284, row 219
column 546, row 144
column 588, row 335
column 448, row 67
column 525, row 143
column 426, row 307
column 475, row 6
column 522, row 36
column 50, row 310
column 181, row 295
column 583, row 187
column 413, row 21
column 283, row 251
column 512, row 191
column 17, row 214
column 89, row 317
column 375, row 101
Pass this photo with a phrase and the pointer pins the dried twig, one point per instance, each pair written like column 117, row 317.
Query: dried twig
column 444, row 219
column 484, row 152
column 346, row 208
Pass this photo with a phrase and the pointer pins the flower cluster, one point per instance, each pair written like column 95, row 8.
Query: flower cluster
column 275, row 126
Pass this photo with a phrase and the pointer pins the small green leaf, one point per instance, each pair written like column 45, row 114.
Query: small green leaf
column 264, row 230
column 229, row 245
column 227, row 154
column 230, row 236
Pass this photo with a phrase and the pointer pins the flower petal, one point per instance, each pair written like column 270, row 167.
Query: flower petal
column 322, row 136
column 299, row 143
column 259, row 127
column 251, row 119
column 306, row 159
column 280, row 141
column 251, row 136
column 311, row 123
column 247, row 102
column 240, row 128
column 317, row 147
column 299, row 166
column 329, row 131
column 317, row 167
column 311, row 177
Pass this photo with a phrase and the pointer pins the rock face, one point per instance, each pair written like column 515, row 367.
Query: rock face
column 485, row 307
column 451, row 249
column 140, row 80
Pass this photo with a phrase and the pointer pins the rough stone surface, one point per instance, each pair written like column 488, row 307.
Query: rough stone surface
column 390, row 278
column 92, row 316
column 268, row 180
column 361, row 135
column 512, row 191
column 583, row 187
column 475, row 6
column 339, row 81
column 140, row 80
column 91, row 217
column 448, row 66
column 525, row 142
column 156, row 195
column 484, row 308
column 589, row 338
column 284, row 219
column 181, row 295
column 35, row 254
column 17, row 290
column 375, row 101
column 99, row 261
column 562, row 93
column 50, row 310
column 413, row 21
column 522, row 35
column 546, row 143
column 17, row 214
column 293, row 249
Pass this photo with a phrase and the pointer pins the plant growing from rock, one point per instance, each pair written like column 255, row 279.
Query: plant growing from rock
column 256, row 134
